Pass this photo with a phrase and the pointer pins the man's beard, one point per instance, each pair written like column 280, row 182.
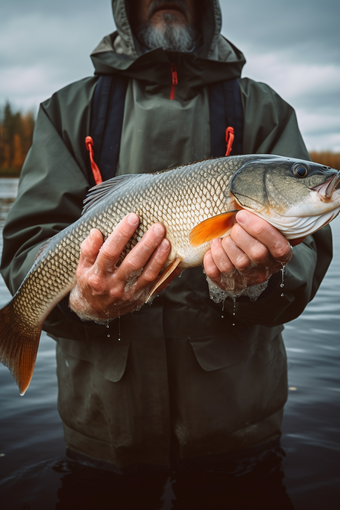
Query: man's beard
column 172, row 36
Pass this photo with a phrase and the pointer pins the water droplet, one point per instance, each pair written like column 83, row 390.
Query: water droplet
column 234, row 309
column 222, row 315
column 283, row 274
column 119, row 329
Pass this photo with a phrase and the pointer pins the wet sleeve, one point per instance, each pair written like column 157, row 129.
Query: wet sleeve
column 52, row 186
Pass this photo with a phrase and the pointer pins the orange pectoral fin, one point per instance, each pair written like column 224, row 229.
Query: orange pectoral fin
column 211, row 228
column 166, row 273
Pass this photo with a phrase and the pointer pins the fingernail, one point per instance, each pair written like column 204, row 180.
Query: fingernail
column 242, row 217
column 164, row 246
column 93, row 233
column 158, row 230
column 133, row 219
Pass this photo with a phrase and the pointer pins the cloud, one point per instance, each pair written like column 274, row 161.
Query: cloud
column 313, row 90
column 292, row 45
column 306, row 30
column 45, row 45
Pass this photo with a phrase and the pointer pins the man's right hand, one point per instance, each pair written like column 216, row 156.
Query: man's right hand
column 104, row 291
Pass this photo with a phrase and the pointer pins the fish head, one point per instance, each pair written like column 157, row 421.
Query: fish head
column 297, row 197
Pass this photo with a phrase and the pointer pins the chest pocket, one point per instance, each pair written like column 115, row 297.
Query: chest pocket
column 215, row 353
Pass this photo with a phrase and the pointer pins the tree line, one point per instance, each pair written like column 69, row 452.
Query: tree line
column 16, row 133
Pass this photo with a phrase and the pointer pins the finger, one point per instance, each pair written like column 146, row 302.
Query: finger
column 221, row 256
column 237, row 257
column 155, row 263
column 142, row 252
column 115, row 243
column 257, row 253
column 268, row 235
column 210, row 267
column 90, row 248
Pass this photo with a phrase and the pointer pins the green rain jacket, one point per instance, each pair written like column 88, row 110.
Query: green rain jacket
column 182, row 381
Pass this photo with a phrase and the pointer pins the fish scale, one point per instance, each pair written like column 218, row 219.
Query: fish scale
column 196, row 203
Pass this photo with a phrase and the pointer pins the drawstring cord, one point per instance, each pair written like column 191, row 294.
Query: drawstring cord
column 229, row 138
column 95, row 170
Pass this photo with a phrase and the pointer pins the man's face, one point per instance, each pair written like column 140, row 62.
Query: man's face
column 169, row 24
column 160, row 12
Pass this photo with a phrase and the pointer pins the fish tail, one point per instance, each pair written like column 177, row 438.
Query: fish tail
column 18, row 346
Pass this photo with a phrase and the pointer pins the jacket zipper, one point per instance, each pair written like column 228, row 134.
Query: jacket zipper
column 174, row 81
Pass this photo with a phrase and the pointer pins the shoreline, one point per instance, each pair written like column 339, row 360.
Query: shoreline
column 9, row 175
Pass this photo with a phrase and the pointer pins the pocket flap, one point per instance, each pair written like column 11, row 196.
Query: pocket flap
column 113, row 364
column 109, row 356
column 214, row 353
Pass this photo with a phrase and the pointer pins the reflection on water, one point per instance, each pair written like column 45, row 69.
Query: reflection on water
column 71, row 487
column 303, row 473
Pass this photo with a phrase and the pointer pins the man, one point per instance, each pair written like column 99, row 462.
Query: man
column 181, row 379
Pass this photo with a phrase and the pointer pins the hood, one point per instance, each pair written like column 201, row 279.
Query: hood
column 120, row 52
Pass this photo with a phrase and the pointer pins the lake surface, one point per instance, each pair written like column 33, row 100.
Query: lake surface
column 304, row 473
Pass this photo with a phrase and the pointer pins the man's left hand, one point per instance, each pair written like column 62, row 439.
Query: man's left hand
column 249, row 255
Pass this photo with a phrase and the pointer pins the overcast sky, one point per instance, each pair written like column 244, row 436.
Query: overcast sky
column 293, row 45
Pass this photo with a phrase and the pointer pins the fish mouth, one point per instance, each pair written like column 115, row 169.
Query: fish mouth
column 325, row 190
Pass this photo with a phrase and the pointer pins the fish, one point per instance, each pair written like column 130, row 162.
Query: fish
column 196, row 203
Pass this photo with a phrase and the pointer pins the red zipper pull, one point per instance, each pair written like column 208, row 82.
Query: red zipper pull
column 174, row 81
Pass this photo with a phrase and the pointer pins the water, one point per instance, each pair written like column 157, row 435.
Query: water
column 303, row 474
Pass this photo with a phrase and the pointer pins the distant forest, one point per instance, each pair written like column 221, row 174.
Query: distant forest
column 16, row 132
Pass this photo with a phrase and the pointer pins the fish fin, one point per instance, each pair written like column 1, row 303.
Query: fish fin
column 166, row 273
column 99, row 192
column 18, row 347
column 211, row 228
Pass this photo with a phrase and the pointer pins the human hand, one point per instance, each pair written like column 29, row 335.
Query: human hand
column 104, row 291
column 249, row 255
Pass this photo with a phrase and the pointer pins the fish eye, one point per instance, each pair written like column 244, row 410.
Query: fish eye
column 301, row 170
